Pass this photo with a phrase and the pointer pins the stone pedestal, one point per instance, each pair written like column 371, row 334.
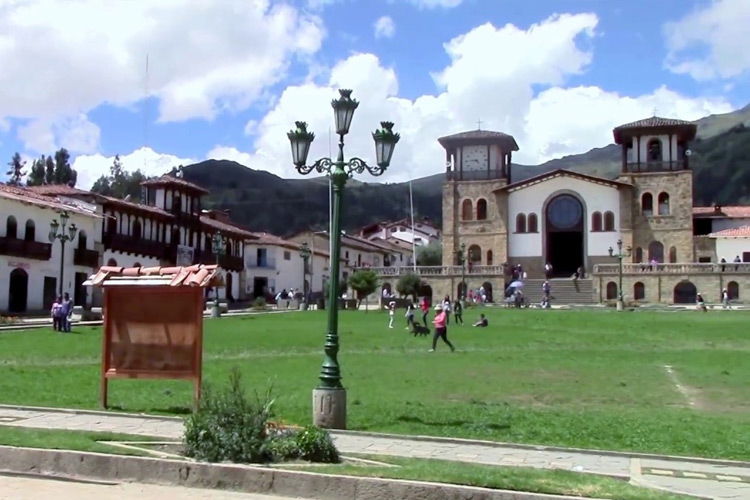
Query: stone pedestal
column 620, row 305
column 329, row 408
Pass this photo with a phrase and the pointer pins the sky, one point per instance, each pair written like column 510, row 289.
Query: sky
column 179, row 81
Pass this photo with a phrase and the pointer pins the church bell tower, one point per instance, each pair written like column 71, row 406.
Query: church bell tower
column 478, row 163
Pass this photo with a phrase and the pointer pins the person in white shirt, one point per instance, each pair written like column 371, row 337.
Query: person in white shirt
column 725, row 299
column 447, row 309
column 391, row 313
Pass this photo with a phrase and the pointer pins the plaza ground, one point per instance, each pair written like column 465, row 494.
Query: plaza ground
column 667, row 383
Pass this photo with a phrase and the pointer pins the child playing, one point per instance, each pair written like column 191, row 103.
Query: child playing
column 57, row 315
column 391, row 313
column 410, row 316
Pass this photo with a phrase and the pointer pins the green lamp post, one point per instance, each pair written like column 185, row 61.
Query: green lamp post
column 305, row 253
column 57, row 232
column 619, row 256
column 218, row 245
column 329, row 398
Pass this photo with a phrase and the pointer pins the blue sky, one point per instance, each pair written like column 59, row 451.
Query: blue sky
column 229, row 81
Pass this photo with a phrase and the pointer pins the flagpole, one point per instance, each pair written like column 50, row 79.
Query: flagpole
column 413, row 238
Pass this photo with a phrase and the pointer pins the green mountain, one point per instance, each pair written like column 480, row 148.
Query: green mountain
column 265, row 202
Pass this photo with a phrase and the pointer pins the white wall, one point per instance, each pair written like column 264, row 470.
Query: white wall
column 729, row 248
column 37, row 270
column 642, row 144
column 532, row 199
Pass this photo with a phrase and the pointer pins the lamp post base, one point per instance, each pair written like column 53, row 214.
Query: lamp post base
column 215, row 311
column 329, row 408
column 620, row 305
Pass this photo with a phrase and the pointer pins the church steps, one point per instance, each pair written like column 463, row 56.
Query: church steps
column 564, row 291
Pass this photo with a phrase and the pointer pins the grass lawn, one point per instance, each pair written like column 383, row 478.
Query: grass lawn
column 570, row 378
column 66, row 440
column 552, row 482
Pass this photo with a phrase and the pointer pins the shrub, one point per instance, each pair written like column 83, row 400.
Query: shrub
column 315, row 444
column 227, row 427
column 259, row 303
column 283, row 445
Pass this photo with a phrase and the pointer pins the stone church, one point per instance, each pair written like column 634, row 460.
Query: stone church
column 565, row 218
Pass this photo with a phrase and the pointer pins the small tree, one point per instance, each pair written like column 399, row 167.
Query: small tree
column 363, row 282
column 409, row 284
column 430, row 255
column 16, row 171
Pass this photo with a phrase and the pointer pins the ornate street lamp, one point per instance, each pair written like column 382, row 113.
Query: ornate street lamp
column 218, row 244
column 329, row 398
column 57, row 232
column 461, row 254
column 619, row 256
column 304, row 251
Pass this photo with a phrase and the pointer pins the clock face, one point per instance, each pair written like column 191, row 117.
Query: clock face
column 565, row 212
column 475, row 158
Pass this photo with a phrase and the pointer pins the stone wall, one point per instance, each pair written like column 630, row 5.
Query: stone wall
column 488, row 234
column 659, row 288
column 673, row 230
column 705, row 247
column 448, row 285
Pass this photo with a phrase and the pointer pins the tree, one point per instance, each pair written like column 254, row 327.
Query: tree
column 16, row 171
column 409, row 284
column 37, row 175
column 119, row 183
column 364, row 282
column 49, row 170
column 430, row 255
column 63, row 172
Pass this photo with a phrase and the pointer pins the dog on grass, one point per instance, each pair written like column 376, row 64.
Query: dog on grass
column 418, row 329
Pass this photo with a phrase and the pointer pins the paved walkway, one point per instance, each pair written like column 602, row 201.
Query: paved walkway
column 712, row 479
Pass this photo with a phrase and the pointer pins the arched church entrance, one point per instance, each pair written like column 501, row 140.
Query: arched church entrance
column 564, row 234
column 18, row 291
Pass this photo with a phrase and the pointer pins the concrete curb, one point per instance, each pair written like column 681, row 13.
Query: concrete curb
column 249, row 479
column 433, row 439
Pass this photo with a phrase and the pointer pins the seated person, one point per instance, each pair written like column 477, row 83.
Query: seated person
column 482, row 323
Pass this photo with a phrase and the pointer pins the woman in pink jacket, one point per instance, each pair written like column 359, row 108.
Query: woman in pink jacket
column 441, row 330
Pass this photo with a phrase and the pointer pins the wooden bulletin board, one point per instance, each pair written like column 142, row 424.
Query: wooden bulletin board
column 152, row 332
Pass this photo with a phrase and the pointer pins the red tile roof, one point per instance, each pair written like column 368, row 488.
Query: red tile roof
column 225, row 227
column 198, row 275
column 731, row 212
column 732, row 232
column 685, row 129
column 273, row 240
column 167, row 180
column 25, row 195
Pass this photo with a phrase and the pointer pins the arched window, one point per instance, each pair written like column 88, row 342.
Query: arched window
column 136, row 264
column 11, row 227
column 112, row 226
column 207, row 245
column 532, row 224
column 639, row 291
column 481, row 209
column 176, row 236
column 733, row 290
column 638, row 255
column 609, row 221
column 654, row 151
column 655, row 251
column 520, row 223
column 228, row 251
column 137, row 229
column 647, row 204
column 596, row 222
column 611, row 290
column 29, row 233
column 672, row 255
column 82, row 239
column 112, row 263
column 467, row 210
column 475, row 254
column 489, row 257
column 663, row 204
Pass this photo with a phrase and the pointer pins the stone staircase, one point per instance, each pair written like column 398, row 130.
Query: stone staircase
column 563, row 291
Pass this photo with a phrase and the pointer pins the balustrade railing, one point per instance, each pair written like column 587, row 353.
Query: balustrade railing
column 437, row 270
column 679, row 268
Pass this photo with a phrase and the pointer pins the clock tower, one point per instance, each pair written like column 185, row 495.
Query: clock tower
column 478, row 163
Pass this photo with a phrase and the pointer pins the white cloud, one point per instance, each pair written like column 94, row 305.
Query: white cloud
column 75, row 133
column 203, row 59
column 384, row 27
column 483, row 80
column 710, row 42
column 91, row 167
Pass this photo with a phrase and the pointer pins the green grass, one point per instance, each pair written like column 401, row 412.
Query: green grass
column 66, row 440
column 552, row 482
column 567, row 378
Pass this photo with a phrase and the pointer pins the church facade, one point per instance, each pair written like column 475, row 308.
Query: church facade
column 565, row 218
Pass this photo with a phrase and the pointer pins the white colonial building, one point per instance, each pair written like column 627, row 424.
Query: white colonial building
column 31, row 265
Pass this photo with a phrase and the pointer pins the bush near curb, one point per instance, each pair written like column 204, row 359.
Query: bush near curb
column 227, row 427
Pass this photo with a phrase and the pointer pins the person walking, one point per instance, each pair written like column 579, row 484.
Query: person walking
column 391, row 313
column 410, row 316
column 441, row 329
column 425, row 310
column 447, row 309
column 458, row 312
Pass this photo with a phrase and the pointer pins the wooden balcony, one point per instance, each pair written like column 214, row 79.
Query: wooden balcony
column 86, row 258
column 229, row 262
column 656, row 166
column 14, row 247
column 136, row 246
